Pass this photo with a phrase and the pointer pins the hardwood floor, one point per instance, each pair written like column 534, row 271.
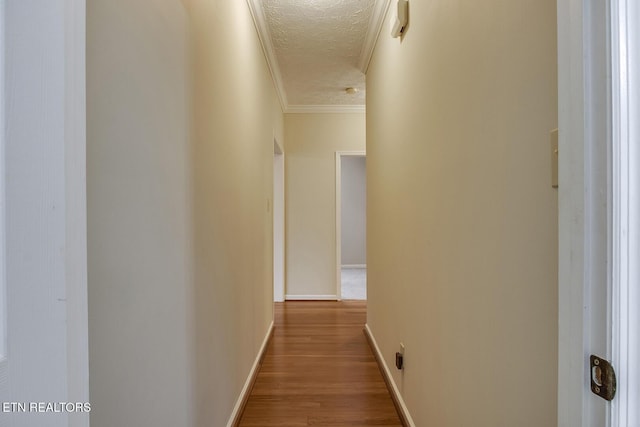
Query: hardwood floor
column 319, row 370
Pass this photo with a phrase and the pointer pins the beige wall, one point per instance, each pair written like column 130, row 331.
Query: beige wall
column 236, row 115
column 312, row 141
column 181, row 121
column 462, row 220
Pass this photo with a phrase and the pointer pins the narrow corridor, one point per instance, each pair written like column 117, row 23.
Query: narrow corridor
column 319, row 370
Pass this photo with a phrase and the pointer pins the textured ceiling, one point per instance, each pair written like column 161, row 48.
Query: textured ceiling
column 318, row 46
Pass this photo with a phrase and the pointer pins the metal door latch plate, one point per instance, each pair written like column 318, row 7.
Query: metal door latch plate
column 603, row 378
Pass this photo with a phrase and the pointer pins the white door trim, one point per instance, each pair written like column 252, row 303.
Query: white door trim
column 76, row 206
column 45, row 160
column 625, row 201
column 599, row 106
column 4, row 383
column 3, row 294
column 338, row 205
column 582, row 123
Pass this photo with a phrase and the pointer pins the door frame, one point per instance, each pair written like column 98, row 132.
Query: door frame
column 45, row 132
column 591, row 211
column 581, row 220
column 3, row 290
column 338, row 206
column 624, row 243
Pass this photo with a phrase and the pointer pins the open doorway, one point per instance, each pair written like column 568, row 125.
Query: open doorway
column 351, row 225
column 278, row 222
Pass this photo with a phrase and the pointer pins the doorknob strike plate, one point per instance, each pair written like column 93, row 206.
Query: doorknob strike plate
column 603, row 378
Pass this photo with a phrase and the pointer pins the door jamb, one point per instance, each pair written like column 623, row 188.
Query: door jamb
column 624, row 242
column 595, row 221
column 581, row 233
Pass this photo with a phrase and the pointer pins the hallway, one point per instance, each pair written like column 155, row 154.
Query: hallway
column 139, row 218
column 319, row 370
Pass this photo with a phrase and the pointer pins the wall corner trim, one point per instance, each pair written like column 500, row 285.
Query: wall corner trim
column 398, row 401
column 260, row 22
column 380, row 9
column 243, row 398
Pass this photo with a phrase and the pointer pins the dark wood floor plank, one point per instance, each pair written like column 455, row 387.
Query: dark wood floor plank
column 319, row 371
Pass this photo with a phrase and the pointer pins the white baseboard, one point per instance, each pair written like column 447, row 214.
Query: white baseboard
column 403, row 412
column 311, row 297
column 234, row 419
column 354, row 265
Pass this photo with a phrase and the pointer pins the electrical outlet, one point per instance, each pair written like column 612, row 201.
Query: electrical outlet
column 400, row 357
column 399, row 360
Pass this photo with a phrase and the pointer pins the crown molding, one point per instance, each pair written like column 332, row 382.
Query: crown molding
column 325, row 109
column 380, row 10
column 260, row 22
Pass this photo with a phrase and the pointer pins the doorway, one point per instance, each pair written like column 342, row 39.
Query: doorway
column 351, row 226
column 278, row 222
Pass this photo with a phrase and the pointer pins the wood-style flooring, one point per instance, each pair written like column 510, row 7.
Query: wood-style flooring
column 319, row 371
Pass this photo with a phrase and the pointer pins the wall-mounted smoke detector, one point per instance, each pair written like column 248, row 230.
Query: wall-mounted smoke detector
column 402, row 19
column 352, row 90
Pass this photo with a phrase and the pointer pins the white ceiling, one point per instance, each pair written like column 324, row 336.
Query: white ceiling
column 318, row 48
